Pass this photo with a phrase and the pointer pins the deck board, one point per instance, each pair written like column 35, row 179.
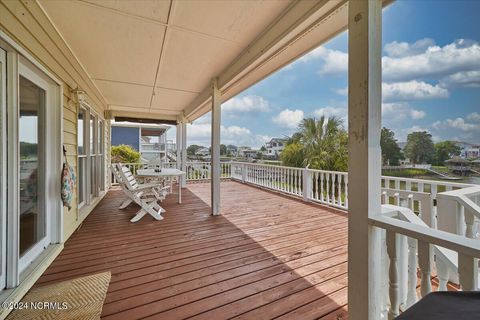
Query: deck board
column 266, row 256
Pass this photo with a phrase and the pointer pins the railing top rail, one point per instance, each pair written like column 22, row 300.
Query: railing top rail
column 470, row 247
column 444, row 183
column 417, row 195
column 265, row 165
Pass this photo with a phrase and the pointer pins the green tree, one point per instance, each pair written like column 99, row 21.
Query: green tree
column 223, row 149
column 391, row 153
column 420, row 148
column 192, row 149
column 445, row 150
column 125, row 154
column 293, row 155
column 321, row 143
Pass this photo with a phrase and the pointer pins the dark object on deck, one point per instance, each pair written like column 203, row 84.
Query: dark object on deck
column 461, row 305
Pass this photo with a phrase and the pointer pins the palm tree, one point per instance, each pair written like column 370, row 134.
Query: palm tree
column 323, row 143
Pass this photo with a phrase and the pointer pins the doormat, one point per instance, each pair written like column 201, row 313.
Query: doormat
column 80, row 298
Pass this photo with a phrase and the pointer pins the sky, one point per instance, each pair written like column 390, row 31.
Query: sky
column 431, row 81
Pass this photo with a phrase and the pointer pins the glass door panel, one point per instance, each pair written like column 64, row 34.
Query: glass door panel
column 3, row 168
column 31, row 146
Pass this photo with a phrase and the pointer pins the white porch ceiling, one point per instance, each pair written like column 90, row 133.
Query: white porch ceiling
column 157, row 58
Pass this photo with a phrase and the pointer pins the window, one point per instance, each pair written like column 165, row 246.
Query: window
column 152, row 144
column 91, row 155
column 82, row 155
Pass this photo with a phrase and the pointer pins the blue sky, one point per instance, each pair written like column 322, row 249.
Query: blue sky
column 431, row 75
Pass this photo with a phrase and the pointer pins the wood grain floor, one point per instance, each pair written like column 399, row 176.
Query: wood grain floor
column 267, row 256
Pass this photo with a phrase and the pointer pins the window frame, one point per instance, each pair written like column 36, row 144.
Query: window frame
column 94, row 162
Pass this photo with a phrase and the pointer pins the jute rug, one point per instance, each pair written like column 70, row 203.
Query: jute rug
column 80, row 298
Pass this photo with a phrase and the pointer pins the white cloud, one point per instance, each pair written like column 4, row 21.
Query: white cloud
column 246, row 104
column 471, row 124
column 474, row 117
column 417, row 114
column 400, row 111
column 289, row 118
column 201, row 134
column 342, row 91
column 462, row 79
column 402, row 49
column 334, row 61
column 461, row 55
column 331, row 111
column 412, row 90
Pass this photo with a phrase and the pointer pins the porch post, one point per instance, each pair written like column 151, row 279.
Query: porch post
column 178, row 164
column 364, row 167
column 215, row 145
column 183, row 159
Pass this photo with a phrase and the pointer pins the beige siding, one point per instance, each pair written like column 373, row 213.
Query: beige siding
column 26, row 23
column 70, row 217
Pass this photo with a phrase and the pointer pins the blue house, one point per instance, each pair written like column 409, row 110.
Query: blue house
column 149, row 139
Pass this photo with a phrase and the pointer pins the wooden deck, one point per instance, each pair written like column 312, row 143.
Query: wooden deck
column 268, row 256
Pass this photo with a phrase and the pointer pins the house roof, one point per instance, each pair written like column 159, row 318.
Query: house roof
column 156, row 59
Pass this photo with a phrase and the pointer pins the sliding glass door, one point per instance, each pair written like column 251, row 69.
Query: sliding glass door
column 33, row 219
column 32, row 143
column 3, row 168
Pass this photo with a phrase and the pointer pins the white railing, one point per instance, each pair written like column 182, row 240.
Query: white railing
column 196, row 171
column 458, row 211
column 403, row 229
column 331, row 187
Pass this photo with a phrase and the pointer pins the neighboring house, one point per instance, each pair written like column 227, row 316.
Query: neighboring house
column 148, row 139
column 203, row 152
column 241, row 151
column 231, row 150
column 250, row 154
column 468, row 150
column 275, row 147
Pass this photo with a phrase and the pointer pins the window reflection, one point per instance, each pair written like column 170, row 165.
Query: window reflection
column 31, row 122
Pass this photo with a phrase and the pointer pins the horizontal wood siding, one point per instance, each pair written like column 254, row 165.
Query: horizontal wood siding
column 70, row 217
column 28, row 25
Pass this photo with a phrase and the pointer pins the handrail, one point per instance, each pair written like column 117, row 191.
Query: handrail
column 470, row 247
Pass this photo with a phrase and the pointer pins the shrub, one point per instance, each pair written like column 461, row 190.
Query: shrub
column 125, row 154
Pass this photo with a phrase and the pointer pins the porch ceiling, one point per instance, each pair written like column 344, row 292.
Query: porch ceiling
column 156, row 58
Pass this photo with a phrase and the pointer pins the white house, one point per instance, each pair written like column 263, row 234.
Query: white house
column 203, row 152
column 275, row 147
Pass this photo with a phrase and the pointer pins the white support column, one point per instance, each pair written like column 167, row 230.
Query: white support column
column 364, row 124
column 179, row 145
column 215, row 181
column 183, row 165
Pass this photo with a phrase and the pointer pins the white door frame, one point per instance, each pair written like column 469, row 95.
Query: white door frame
column 49, row 157
column 3, row 168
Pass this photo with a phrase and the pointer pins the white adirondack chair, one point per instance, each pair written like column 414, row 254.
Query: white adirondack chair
column 145, row 195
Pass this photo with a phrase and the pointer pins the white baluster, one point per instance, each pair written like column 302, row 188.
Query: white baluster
column 334, row 179
column 346, row 191
column 468, row 272
column 322, row 196
column 396, row 198
column 470, row 224
column 420, row 186
column 393, row 275
column 402, row 245
column 328, row 187
column 425, row 263
column 442, row 273
column 408, row 185
column 412, row 272
column 339, row 190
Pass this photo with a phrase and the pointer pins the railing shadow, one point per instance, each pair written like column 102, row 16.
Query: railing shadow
column 266, row 256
